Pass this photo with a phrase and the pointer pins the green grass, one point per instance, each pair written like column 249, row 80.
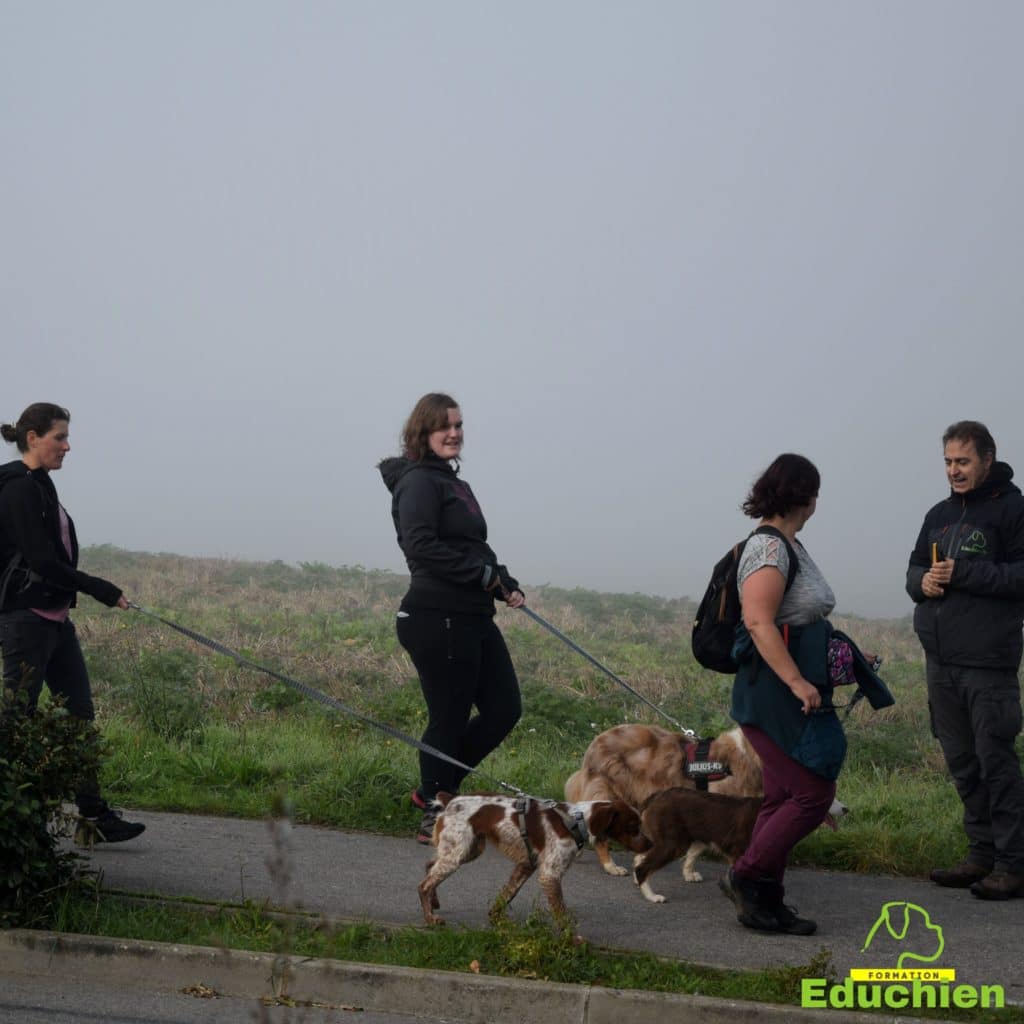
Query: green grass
column 533, row 949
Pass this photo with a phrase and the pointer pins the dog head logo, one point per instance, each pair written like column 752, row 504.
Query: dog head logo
column 911, row 926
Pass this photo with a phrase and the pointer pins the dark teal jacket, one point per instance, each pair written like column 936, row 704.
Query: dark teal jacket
column 760, row 698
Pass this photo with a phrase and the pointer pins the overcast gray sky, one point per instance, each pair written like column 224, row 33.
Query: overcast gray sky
column 647, row 246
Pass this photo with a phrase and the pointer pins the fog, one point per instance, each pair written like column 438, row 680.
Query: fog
column 647, row 247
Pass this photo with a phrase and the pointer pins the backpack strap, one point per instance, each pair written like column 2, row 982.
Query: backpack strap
column 794, row 568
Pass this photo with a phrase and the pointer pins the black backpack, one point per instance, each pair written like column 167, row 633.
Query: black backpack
column 714, row 627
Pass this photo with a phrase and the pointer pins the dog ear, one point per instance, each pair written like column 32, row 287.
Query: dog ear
column 444, row 799
column 602, row 817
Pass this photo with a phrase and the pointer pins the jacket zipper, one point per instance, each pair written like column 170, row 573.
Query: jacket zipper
column 949, row 554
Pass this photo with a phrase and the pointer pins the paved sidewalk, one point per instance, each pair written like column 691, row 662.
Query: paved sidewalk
column 350, row 875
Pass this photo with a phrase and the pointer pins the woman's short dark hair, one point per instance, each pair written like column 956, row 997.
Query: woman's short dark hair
column 430, row 413
column 39, row 417
column 971, row 430
column 790, row 482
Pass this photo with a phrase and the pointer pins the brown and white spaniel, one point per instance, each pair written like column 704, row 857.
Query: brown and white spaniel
column 543, row 836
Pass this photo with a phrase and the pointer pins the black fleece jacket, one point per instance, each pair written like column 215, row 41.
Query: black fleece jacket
column 443, row 535
column 35, row 570
column 978, row 620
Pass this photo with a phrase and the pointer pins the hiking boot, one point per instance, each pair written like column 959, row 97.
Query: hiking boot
column 789, row 923
column 960, row 877
column 425, row 833
column 749, row 909
column 106, row 827
column 999, row 885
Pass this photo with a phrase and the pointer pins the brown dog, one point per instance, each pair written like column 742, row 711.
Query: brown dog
column 683, row 823
column 633, row 762
column 548, row 846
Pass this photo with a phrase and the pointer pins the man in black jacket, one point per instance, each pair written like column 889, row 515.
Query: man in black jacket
column 966, row 576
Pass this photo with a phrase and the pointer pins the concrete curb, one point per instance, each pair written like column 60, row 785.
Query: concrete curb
column 474, row 999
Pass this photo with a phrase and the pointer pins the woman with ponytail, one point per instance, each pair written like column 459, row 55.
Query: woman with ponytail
column 39, row 583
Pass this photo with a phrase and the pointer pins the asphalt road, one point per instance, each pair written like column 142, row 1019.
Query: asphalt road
column 358, row 876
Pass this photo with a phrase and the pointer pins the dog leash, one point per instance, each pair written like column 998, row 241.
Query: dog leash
column 607, row 671
column 322, row 698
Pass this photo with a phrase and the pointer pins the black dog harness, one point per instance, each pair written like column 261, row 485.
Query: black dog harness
column 573, row 822
column 700, row 769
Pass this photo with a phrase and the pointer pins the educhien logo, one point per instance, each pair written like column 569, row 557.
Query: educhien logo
column 917, row 939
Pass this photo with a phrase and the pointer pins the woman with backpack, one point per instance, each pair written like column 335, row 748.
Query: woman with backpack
column 446, row 619
column 38, row 588
column 782, row 693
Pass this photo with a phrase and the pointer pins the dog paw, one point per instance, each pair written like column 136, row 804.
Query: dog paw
column 614, row 869
column 650, row 895
column 692, row 876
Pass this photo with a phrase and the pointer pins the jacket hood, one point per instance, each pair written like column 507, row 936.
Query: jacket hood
column 12, row 470
column 998, row 481
column 17, row 469
column 393, row 469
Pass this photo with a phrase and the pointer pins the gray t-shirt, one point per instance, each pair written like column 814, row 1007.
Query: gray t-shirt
column 809, row 599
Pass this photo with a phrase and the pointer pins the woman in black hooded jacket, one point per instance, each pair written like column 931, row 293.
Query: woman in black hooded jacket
column 446, row 619
column 39, row 582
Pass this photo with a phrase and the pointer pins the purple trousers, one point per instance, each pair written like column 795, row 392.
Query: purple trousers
column 795, row 803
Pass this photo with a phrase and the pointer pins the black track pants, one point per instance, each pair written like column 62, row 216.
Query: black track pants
column 462, row 663
column 37, row 651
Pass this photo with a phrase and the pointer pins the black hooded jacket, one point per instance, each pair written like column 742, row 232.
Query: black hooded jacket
column 978, row 620
column 443, row 535
column 35, row 570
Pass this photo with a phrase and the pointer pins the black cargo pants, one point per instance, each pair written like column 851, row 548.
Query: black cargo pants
column 976, row 717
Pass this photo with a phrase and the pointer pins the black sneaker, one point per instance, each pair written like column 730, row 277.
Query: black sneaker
column 425, row 833
column 106, row 827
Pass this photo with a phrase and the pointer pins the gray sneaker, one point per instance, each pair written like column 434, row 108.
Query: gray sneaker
column 425, row 833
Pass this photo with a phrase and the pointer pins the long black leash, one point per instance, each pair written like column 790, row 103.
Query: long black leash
column 607, row 671
column 321, row 698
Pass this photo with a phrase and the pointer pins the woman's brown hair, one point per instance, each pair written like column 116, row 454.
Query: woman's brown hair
column 790, row 482
column 429, row 414
column 40, row 417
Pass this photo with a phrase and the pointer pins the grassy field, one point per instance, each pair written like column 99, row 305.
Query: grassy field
column 190, row 730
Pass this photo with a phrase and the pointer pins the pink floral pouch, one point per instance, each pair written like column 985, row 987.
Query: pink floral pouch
column 840, row 663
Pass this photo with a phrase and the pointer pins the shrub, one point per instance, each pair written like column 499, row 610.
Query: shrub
column 162, row 695
column 43, row 754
